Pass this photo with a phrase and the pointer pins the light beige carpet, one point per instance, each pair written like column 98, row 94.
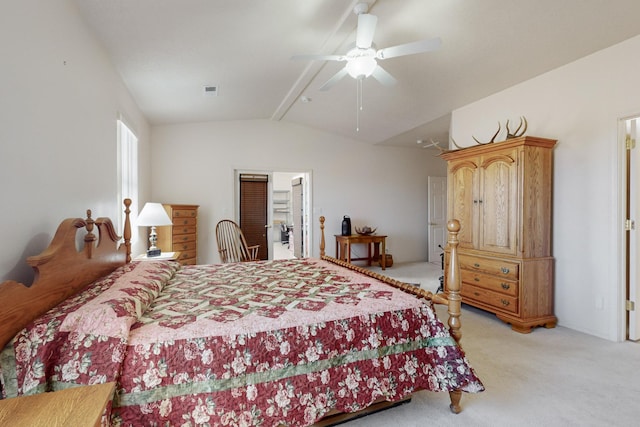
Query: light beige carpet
column 550, row 377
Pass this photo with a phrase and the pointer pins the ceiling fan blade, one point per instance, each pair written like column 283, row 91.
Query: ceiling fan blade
column 383, row 76
column 335, row 79
column 409, row 48
column 310, row 57
column 366, row 29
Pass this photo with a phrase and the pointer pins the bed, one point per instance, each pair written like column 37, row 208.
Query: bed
column 286, row 342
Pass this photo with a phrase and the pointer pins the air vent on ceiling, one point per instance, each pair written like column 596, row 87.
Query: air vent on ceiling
column 211, row 90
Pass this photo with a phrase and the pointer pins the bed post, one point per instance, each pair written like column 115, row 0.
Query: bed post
column 455, row 300
column 321, row 236
column 127, row 229
column 453, row 284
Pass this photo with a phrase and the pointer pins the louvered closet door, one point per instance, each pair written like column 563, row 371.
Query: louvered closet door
column 253, row 211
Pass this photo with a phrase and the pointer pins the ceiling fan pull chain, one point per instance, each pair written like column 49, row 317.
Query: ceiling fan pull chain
column 358, row 103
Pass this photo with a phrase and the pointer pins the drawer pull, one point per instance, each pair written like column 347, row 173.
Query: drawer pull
column 504, row 302
column 477, row 279
column 476, row 294
column 476, row 265
column 506, row 286
column 504, row 270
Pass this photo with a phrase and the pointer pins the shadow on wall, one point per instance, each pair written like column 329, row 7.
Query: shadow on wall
column 22, row 272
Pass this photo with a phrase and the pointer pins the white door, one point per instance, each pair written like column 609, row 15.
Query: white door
column 634, row 215
column 437, row 217
column 297, row 199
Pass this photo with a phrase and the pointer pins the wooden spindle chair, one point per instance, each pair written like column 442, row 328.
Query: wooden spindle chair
column 232, row 245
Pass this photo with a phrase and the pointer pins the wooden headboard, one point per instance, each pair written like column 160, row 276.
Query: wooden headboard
column 62, row 270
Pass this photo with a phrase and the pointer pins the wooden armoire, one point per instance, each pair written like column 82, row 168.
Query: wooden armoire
column 501, row 193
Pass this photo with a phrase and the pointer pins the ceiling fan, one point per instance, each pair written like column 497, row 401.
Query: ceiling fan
column 362, row 58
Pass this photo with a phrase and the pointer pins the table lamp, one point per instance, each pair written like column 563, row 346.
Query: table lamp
column 152, row 215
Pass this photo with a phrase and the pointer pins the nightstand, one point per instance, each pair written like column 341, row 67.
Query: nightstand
column 164, row 256
column 78, row 406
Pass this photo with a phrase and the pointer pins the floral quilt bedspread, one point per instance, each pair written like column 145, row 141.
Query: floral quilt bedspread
column 267, row 343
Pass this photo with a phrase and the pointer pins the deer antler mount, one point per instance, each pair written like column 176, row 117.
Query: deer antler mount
column 520, row 131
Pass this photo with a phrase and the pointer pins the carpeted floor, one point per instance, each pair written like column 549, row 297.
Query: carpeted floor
column 550, row 377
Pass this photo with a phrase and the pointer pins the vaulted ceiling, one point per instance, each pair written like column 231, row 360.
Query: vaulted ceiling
column 167, row 51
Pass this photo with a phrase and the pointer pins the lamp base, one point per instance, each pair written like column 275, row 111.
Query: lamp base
column 153, row 252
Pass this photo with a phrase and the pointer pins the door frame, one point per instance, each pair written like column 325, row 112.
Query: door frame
column 629, row 267
column 308, row 233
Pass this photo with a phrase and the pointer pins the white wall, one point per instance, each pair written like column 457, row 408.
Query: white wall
column 60, row 97
column 580, row 105
column 384, row 187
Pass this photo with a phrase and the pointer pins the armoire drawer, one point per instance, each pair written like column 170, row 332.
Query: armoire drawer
column 497, row 300
column 498, row 267
column 492, row 283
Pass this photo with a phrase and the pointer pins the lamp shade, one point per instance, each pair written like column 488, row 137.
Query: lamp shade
column 153, row 214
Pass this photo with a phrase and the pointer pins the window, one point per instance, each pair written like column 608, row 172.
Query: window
column 127, row 174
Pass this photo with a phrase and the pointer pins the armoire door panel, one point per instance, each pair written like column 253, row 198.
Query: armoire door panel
column 497, row 204
column 463, row 200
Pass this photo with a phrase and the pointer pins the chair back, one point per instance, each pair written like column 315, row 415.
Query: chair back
column 232, row 245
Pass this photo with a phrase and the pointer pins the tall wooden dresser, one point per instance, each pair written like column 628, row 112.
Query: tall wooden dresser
column 182, row 236
column 501, row 194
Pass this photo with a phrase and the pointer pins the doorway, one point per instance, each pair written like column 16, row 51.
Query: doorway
column 291, row 222
column 437, row 196
column 274, row 228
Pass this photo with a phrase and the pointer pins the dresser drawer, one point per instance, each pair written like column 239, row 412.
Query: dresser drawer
column 183, row 238
column 500, row 268
column 492, row 283
column 184, row 221
column 497, row 300
column 187, row 246
column 184, row 213
column 187, row 257
column 178, row 231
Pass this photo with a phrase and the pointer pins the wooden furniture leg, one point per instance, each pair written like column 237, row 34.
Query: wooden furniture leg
column 455, row 401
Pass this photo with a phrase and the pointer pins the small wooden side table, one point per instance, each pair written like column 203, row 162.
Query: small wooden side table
column 343, row 248
column 164, row 256
column 78, row 406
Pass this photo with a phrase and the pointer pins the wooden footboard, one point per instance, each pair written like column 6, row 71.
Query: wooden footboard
column 451, row 298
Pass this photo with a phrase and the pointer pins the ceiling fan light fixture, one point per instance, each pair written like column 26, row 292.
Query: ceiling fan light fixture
column 361, row 67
